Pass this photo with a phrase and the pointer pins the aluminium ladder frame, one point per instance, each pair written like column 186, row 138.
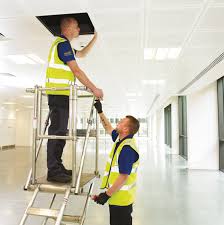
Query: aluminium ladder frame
column 78, row 181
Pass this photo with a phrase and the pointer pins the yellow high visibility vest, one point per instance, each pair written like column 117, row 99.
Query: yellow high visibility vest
column 126, row 195
column 58, row 74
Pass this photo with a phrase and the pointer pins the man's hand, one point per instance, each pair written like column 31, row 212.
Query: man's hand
column 95, row 35
column 98, row 106
column 101, row 199
column 98, row 93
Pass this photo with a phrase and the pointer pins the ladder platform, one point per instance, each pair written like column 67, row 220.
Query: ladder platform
column 53, row 214
column 59, row 188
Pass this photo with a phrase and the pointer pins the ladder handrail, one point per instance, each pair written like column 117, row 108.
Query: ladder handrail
column 64, row 204
column 38, row 150
column 84, row 148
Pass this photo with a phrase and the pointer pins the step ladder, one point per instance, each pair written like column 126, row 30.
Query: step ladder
column 80, row 180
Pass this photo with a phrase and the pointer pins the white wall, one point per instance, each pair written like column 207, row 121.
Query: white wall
column 202, row 120
column 156, row 129
column 24, row 127
column 7, row 127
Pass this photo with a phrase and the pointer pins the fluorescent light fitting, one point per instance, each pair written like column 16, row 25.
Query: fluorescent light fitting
column 130, row 94
column 173, row 53
column 36, row 58
column 161, row 53
column 9, row 103
column 149, row 53
column 132, row 100
column 21, row 59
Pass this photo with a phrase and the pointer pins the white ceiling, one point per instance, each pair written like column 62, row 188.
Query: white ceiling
column 116, row 63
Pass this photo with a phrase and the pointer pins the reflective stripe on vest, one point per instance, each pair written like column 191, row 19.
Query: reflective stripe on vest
column 126, row 195
column 126, row 187
column 59, row 81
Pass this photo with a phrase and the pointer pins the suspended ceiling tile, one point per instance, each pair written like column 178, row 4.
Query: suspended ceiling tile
column 207, row 39
column 43, row 7
column 115, row 4
column 213, row 19
column 11, row 8
column 16, row 28
column 118, row 22
column 166, row 39
column 172, row 20
column 176, row 2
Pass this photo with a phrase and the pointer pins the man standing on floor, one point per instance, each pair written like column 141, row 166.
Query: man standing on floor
column 61, row 72
column 120, row 175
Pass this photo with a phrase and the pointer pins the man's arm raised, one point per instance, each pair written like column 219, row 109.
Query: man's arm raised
column 106, row 124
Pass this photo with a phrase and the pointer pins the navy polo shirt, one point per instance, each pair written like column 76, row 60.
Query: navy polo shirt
column 127, row 157
column 65, row 52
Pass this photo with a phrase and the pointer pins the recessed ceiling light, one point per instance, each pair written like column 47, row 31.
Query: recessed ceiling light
column 173, row 53
column 149, row 53
column 36, row 58
column 161, row 53
column 132, row 100
column 21, row 59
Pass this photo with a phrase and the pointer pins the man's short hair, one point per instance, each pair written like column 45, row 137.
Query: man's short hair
column 66, row 21
column 133, row 124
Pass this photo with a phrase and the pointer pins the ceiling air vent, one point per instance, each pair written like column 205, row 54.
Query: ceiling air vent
column 52, row 22
column 2, row 37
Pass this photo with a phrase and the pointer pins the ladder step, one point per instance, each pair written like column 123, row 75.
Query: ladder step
column 82, row 133
column 53, row 214
column 52, row 187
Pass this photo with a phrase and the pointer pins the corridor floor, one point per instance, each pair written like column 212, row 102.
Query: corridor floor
column 168, row 193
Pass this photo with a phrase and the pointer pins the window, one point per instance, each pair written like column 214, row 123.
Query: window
column 220, row 95
column 167, row 126
column 182, row 118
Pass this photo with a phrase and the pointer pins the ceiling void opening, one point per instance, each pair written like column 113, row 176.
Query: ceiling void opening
column 52, row 23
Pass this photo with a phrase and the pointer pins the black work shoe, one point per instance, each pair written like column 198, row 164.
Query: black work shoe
column 65, row 171
column 68, row 172
column 60, row 178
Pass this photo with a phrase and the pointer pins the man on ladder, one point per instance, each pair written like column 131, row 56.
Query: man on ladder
column 120, row 175
column 61, row 72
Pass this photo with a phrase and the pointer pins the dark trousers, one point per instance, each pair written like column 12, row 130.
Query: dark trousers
column 59, row 114
column 120, row 215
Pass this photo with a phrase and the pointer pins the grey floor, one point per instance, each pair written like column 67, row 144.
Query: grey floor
column 168, row 193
